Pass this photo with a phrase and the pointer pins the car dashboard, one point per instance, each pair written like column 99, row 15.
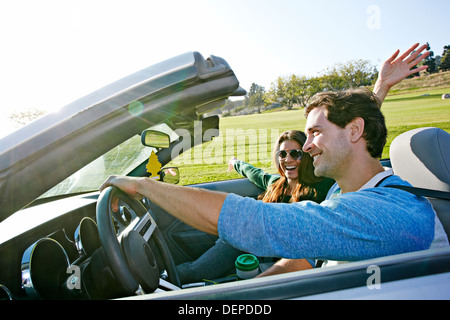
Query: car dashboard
column 44, row 260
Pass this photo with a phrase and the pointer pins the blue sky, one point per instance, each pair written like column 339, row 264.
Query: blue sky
column 54, row 52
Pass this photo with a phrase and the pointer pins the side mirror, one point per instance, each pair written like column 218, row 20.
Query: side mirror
column 156, row 139
column 170, row 175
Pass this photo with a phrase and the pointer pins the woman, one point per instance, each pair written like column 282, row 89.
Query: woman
column 295, row 182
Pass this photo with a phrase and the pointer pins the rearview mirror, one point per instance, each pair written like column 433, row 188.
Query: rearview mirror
column 156, row 139
column 170, row 175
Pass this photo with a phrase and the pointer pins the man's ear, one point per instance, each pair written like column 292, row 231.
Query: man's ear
column 356, row 127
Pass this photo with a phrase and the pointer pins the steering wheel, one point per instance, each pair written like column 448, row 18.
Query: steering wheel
column 134, row 264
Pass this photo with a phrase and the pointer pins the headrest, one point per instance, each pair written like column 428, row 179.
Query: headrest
column 422, row 157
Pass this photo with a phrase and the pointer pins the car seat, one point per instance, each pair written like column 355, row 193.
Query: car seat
column 422, row 157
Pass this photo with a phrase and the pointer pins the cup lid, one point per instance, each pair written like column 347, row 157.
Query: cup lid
column 246, row 262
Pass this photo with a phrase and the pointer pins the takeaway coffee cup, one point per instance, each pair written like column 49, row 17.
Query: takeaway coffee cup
column 247, row 266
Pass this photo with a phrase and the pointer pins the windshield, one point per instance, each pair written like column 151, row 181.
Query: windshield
column 120, row 160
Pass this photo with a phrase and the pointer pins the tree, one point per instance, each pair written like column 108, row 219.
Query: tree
column 445, row 60
column 283, row 91
column 256, row 96
column 304, row 88
column 290, row 93
column 26, row 116
column 294, row 89
column 352, row 74
column 332, row 82
column 430, row 61
column 272, row 95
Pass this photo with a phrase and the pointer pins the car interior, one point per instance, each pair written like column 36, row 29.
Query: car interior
column 105, row 246
column 184, row 243
column 420, row 156
column 418, row 153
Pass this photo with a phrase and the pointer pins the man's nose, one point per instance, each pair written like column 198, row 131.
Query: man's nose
column 307, row 147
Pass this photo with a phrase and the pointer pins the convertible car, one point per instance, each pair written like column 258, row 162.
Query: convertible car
column 61, row 239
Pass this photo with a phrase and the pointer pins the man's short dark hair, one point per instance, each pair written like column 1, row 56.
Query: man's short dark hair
column 344, row 106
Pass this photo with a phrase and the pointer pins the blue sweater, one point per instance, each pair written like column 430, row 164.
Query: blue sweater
column 358, row 225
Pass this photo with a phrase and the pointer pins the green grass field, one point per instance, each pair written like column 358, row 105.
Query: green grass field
column 251, row 138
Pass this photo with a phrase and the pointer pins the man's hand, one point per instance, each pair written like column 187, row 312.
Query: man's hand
column 197, row 207
column 128, row 185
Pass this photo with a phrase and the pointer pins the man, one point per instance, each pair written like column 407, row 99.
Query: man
column 346, row 134
column 356, row 225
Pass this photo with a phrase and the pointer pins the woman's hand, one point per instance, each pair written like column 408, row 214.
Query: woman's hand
column 394, row 69
column 231, row 164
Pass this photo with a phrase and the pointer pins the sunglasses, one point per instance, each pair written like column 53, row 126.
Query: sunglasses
column 295, row 154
